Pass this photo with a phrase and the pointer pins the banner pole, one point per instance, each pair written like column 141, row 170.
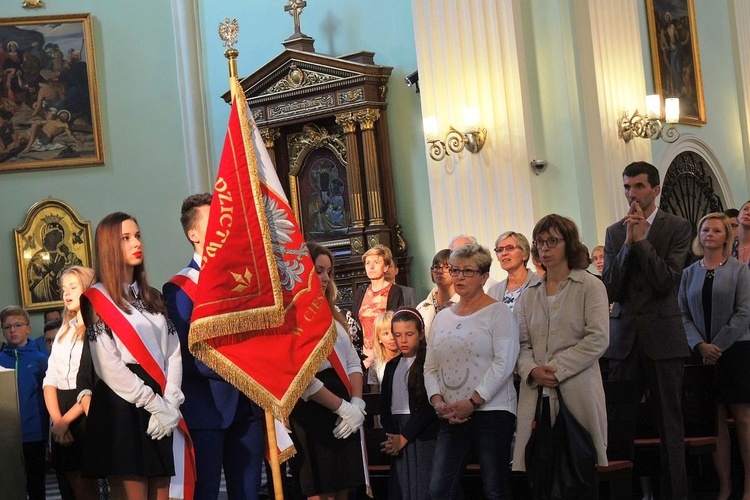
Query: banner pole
column 273, row 454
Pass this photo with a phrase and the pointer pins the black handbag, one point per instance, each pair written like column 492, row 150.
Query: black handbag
column 560, row 460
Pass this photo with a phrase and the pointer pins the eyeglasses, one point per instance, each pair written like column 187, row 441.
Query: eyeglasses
column 550, row 242
column 467, row 273
column 735, row 225
column 440, row 269
column 509, row 248
column 8, row 328
column 48, row 341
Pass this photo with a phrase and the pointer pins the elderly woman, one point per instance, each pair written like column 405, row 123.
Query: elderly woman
column 468, row 375
column 513, row 252
column 373, row 299
column 715, row 303
column 443, row 295
column 564, row 327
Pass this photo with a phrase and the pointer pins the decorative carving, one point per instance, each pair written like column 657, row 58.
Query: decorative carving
column 32, row 4
column 687, row 190
column 358, row 246
column 347, row 122
column 346, row 295
column 294, row 107
column 401, row 243
column 313, row 137
column 367, row 118
column 353, row 95
column 269, row 136
column 372, row 240
column 258, row 114
column 297, row 78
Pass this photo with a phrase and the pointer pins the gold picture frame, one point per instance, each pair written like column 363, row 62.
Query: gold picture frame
column 52, row 238
column 49, row 100
column 674, row 53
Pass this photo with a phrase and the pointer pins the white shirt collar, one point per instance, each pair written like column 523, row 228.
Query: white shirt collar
column 133, row 288
column 197, row 259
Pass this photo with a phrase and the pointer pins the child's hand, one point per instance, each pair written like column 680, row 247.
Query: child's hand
column 393, row 444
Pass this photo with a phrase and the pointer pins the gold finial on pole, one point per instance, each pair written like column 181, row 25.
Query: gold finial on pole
column 228, row 31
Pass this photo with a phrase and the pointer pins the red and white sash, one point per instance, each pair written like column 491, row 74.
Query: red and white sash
column 150, row 356
column 187, row 280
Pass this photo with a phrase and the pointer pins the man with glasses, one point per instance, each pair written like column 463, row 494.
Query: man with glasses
column 30, row 365
column 644, row 255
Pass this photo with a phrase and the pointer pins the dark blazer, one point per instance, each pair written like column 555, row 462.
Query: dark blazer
column 643, row 282
column 423, row 423
column 210, row 402
column 394, row 301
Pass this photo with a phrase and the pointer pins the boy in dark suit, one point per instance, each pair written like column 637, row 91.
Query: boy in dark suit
column 226, row 427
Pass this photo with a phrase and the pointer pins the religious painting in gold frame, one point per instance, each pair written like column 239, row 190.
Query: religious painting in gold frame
column 675, row 57
column 319, row 184
column 49, row 99
column 51, row 239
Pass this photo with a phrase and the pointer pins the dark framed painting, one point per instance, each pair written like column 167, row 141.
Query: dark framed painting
column 51, row 239
column 675, row 57
column 49, row 99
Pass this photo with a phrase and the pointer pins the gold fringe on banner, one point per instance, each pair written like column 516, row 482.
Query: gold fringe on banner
column 280, row 408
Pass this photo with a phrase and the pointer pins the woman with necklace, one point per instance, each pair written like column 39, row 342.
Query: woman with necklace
column 468, row 374
column 443, row 295
column 715, row 303
column 375, row 298
column 564, row 328
column 741, row 244
column 513, row 253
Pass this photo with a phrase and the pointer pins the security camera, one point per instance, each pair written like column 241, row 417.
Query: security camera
column 412, row 79
column 539, row 166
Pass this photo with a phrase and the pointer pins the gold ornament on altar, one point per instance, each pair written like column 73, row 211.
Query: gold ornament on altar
column 32, row 4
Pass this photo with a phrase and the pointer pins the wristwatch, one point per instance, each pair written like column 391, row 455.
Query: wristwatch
column 474, row 403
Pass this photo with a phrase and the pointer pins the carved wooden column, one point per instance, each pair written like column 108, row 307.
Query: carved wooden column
column 367, row 119
column 269, row 136
column 349, row 124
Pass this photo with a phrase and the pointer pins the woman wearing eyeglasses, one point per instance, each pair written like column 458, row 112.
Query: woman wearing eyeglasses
column 468, row 375
column 443, row 295
column 513, row 252
column 564, row 325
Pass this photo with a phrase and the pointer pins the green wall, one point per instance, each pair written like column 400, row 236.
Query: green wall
column 144, row 172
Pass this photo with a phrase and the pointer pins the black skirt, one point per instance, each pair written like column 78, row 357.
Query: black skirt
column 116, row 443
column 731, row 374
column 68, row 458
column 325, row 464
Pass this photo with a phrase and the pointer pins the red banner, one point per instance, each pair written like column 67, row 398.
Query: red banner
column 260, row 320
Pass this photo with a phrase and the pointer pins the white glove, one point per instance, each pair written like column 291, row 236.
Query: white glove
column 360, row 404
column 166, row 415
column 155, row 429
column 350, row 420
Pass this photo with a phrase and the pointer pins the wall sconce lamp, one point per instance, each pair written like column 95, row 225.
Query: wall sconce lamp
column 650, row 126
column 473, row 139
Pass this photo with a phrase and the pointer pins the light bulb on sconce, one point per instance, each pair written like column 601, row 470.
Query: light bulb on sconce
column 650, row 125
column 472, row 139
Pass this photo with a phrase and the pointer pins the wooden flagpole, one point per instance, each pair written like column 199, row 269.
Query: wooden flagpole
column 228, row 32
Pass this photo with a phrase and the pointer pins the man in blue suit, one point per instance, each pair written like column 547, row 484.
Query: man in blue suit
column 226, row 427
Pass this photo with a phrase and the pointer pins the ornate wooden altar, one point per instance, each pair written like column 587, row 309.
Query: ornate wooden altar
column 324, row 122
